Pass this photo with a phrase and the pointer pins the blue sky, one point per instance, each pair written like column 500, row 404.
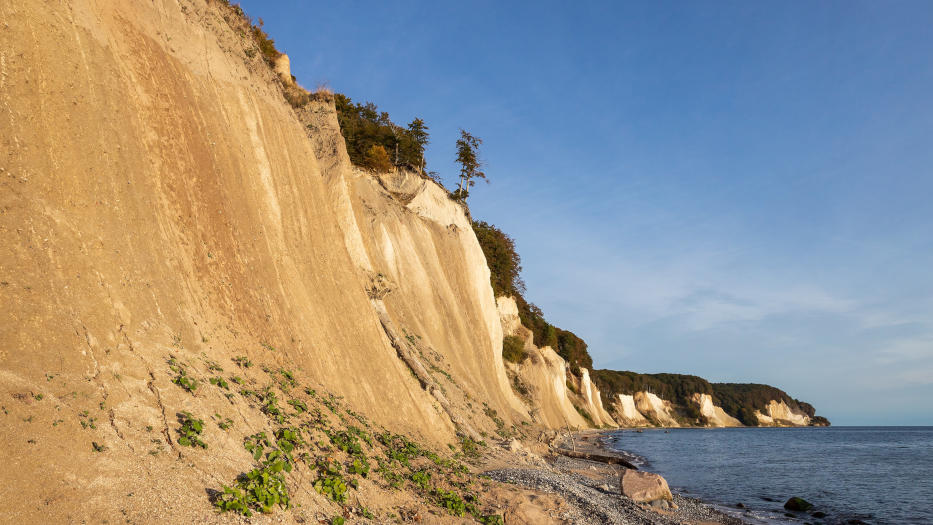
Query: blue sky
column 736, row 190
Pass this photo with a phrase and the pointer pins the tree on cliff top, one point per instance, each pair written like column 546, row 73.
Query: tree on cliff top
column 419, row 138
column 468, row 158
column 364, row 126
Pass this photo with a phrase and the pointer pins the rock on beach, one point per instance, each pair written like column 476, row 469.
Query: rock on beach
column 644, row 487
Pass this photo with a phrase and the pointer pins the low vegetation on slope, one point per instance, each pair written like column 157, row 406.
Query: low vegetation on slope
column 310, row 439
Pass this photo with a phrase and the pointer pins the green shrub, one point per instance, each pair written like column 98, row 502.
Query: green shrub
column 513, row 349
column 359, row 466
column 260, row 489
column 422, row 478
column 470, row 447
column 190, row 431
column 332, row 486
column 450, row 501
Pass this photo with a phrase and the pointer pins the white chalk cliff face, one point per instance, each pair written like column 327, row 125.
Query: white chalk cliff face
column 544, row 374
column 428, row 273
column 593, row 401
column 715, row 415
column 655, row 409
column 777, row 413
column 625, row 412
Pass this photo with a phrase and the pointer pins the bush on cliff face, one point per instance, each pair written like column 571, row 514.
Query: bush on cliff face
column 266, row 44
column 513, row 349
column 573, row 350
column 505, row 265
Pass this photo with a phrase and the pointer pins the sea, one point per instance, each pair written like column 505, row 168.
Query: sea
column 875, row 475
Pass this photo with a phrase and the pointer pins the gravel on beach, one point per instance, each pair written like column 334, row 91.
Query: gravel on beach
column 595, row 497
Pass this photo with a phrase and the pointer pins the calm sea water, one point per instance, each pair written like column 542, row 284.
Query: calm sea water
column 880, row 475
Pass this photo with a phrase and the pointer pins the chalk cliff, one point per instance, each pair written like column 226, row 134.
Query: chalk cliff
column 177, row 211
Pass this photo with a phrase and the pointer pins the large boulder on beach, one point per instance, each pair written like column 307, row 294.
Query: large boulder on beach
column 798, row 504
column 644, row 487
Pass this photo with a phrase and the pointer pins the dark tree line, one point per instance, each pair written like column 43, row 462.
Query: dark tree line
column 742, row 400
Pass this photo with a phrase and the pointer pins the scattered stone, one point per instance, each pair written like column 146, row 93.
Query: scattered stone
column 819, row 514
column 663, row 504
column 739, row 505
column 644, row 486
column 798, row 504
column 590, row 505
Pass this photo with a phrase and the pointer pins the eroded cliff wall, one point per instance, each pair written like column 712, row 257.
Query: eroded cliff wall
column 160, row 199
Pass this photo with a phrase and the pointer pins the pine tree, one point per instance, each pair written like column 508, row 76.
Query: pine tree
column 468, row 158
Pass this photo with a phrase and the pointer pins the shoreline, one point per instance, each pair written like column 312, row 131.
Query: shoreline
column 592, row 442
column 592, row 487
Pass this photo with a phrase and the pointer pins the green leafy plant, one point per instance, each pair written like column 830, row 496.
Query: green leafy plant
column 450, row 501
column 190, row 431
column 242, row 361
column 221, row 382
column 298, row 405
column 345, row 441
column 183, row 380
column 422, row 478
column 359, row 466
column 261, row 489
column 471, row 447
column 256, row 443
column 332, row 486
column 271, row 407
column 399, row 448
column 289, row 377
column 86, row 420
